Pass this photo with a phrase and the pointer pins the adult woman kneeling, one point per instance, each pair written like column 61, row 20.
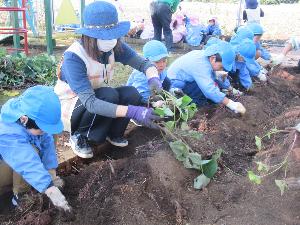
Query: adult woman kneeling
column 91, row 112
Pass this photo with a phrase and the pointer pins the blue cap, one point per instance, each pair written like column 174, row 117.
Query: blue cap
column 241, row 34
column 101, row 21
column 226, row 52
column 247, row 49
column 251, row 4
column 155, row 50
column 256, row 28
column 40, row 104
column 212, row 41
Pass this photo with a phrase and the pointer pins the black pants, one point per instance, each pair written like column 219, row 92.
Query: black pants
column 95, row 127
column 161, row 16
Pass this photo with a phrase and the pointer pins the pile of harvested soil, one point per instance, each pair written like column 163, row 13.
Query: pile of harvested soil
column 146, row 185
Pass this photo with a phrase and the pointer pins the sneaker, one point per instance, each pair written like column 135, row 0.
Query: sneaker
column 80, row 146
column 120, row 142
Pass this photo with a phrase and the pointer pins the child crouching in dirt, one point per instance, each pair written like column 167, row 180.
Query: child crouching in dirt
column 157, row 53
column 27, row 150
column 292, row 44
column 245, row 53
column 255, row 69
column 194, row 74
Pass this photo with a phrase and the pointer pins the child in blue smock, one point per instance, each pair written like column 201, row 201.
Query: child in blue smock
column 245, row 50
column 157, row 53
column 194, row 74
column 27, row 150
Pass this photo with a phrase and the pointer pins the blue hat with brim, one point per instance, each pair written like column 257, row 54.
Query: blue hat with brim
column 247, row 49
column 155, row 50
column 212, row 41
column 226, row 52
column 101, row 22
column 40, row 104
column 256, row 28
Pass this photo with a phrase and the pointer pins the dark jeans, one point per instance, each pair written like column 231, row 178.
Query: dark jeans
column 235, row 80
column 161, row 16
column 95, row 127
column 166, row 84
column 191, row 89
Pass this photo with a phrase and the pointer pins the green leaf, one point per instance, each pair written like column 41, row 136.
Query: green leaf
column 184, row 126
column 217, row 155
column 210, row 168
column 170, row 125
column 193, row 161
column 201, row 181
column 178, row 102
column 186, row 100
column 253, row 177
column 168, row 112
column 262, row 167
column 274, row 130
column 184, row 116
column 159, row 111
column 258, row 142
column 282, row 185
column 180, row 149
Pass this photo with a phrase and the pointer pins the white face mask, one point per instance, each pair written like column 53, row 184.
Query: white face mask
column 106, row 45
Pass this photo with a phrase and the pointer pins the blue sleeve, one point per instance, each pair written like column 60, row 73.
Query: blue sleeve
column 124, row 54
column 207, row 85
column 18, row 153
column 216, row 30
column 74, row 72
column 139, row 80
column 48, row 152
column 244, row 76
column 207, row 30
column 264, row 53
column 223, row 83
column 128, row 56
column 253, row 68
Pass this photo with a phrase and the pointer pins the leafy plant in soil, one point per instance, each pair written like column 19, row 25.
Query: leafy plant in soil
column 264, row 170
column 177, row 112
column 19, row 71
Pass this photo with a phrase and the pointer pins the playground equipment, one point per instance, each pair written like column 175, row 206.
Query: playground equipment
column 16, row 30
column 66, row 17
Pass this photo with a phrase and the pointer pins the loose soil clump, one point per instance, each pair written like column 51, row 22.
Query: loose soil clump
column 144, row 184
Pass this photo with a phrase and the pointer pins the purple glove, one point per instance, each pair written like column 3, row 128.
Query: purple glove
column 155, row 85
column 142, row 115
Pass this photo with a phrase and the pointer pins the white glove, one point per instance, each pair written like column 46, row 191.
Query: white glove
column 58, row 182
column 236, row 92
column 277, row 60
column 297, row 127
column 177, row 92
column 262, row 75
column 236, row 107
column 232, row 91
column 221, row 74
column 58, row 199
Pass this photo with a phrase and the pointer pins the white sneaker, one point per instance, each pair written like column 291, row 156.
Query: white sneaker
column 80, row 146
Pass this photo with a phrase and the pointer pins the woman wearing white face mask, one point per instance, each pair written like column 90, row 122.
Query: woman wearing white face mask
column 91, row 112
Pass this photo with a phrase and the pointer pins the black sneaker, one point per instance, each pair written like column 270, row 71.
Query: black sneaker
column 80, row 146
column 119, row 142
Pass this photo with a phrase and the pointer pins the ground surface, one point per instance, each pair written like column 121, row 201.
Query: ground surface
column 144, row 184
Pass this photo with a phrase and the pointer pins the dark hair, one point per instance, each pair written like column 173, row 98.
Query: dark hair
column 30, row 124
column 218, row 57
column 90, row 46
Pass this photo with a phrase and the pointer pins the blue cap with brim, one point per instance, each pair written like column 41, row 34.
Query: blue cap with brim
column 40, row 104
column 101, row 22
column 212, row 41
column 247, row 49
column 155, row 50
column 226, row 52
column 256, row 28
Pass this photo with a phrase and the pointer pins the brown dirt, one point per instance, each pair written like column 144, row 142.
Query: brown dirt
column 145, row 185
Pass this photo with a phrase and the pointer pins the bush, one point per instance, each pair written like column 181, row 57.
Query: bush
column 20, row 71
column 276, row 2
